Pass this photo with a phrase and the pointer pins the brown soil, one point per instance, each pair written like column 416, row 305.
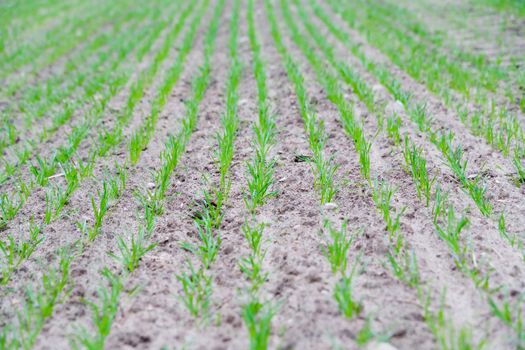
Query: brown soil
column 299, row 277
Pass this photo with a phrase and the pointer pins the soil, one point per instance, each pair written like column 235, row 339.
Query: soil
column 300, row 282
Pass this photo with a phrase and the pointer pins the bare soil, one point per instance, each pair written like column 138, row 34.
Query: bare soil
column 299, row 280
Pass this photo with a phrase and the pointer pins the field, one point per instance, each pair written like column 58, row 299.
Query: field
column 262, row 174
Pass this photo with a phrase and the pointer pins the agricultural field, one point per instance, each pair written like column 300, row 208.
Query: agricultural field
column 262, row 174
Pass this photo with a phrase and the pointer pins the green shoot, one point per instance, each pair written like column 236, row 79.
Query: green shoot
column 258, row 319
column 337, row 246
column 343, row 294
column 130, row 253
column 196, row 291
column 103, row 314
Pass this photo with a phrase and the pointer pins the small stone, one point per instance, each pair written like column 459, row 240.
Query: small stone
column 394, row 107
column 150, row 185
column 378, row 88
column 380, row 346
column 330, row 206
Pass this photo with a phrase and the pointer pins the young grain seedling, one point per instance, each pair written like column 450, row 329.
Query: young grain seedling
column 100, row 210
column 251, row 266
column 43, row 170
column 209, row 246
column 13, row 253
column 502, row 228
column 258, row 319
column 520, row 168
column 440, row 205
column 196, row 291
column 343, row 294
column 103, row 313
column 325, row 170
column 393, row 124
column 405, row 267
column 260, row 180
column 254, row 236
column 512, row 315
column 451, row 234
column 9, row 208
column 337, row 244
column 417, row 165
column 382, row 193
column 38, row 307
column 85, row 170
column 130, row 253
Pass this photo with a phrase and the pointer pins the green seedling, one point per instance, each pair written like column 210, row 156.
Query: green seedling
column 393, row 123
column 72, row 176
column 440, row 204
column 251, row 266
column 451, row 233
column 117, row 184
column 130, row 253
column 520, row 169
column 511, row 314
column 99, row 211
column 478, row 193
column 325, row 170
column 196, row 292
column 337, row 244
column 109, row 139
column 417, row 165
column 260, row 180
column 43, row 170
column 502, row 228
column 344, row 297
column 254, row 236
column 9, row 208
column 56, row 199
column 13, row 252
column 418, row 113
column 24, row 188
column 149, row 220
column 149, row 201
column 258, row 317
column 103, row 314
column 405, row 267
column 209, row 245
column 382, row 193
column 85, row 170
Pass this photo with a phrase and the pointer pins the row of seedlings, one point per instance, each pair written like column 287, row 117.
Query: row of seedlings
column 196, row 282
column 257, row 311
